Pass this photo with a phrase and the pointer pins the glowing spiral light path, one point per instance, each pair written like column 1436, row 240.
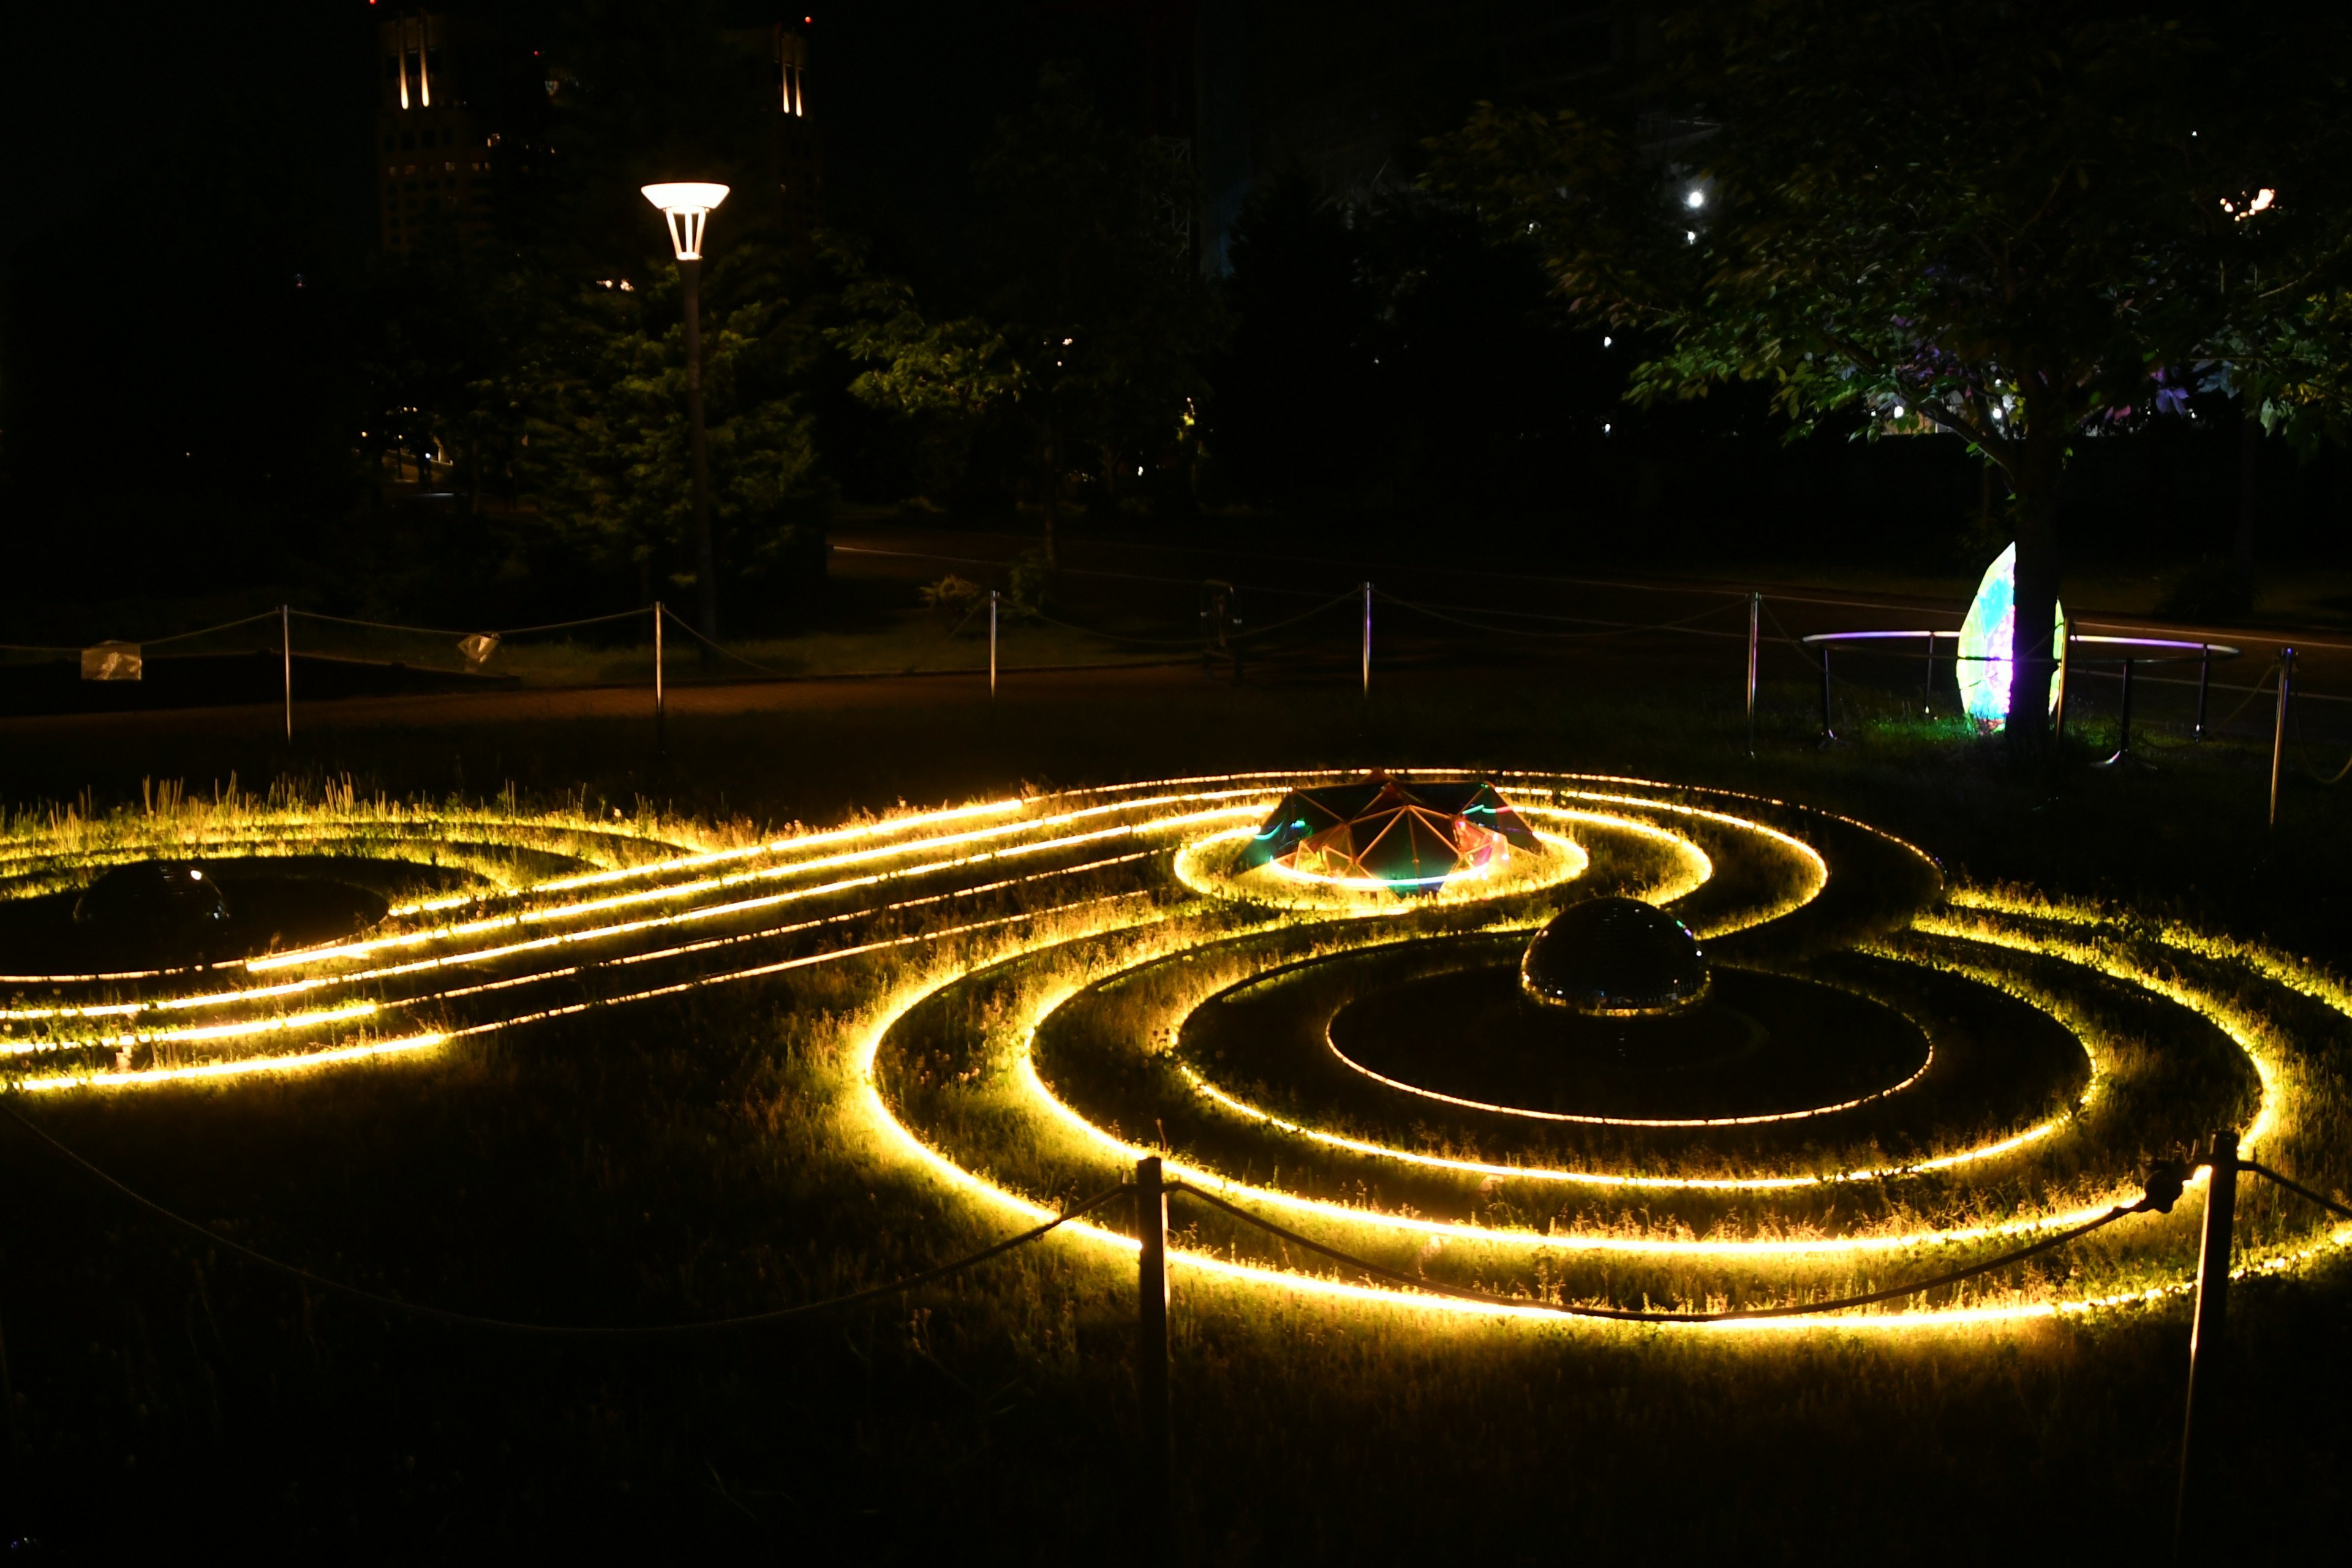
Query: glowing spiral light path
column 1044, row 974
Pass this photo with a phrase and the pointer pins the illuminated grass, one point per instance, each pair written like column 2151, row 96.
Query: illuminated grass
column 1043, row 898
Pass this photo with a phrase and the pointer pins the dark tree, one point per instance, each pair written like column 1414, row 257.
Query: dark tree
column 2011, row 221
column 1091, row 326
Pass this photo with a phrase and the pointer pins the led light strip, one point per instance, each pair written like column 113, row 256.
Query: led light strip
column 1241, row 1108
column 904, row 1138
column 1570, row 1116
column 1160, row 808
column 229, row 1031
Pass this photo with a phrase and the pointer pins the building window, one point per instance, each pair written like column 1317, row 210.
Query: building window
column 792, row 73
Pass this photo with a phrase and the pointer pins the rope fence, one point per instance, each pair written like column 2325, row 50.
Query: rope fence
column 396, row 1306
column 2165, row 1183
column 1221, row 634
column 2157, row 1197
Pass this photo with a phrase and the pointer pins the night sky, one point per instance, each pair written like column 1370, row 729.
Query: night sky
column 198, row 160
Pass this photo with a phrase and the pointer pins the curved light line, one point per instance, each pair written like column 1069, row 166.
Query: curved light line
column 879, row 1116
column 1582, row 1119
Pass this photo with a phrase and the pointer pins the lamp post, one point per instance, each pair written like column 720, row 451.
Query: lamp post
column 687, row 205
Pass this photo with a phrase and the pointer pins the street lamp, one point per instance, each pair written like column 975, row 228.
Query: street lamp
column 687, row 205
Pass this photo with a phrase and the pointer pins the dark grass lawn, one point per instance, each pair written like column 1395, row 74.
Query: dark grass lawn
column 689, row 1159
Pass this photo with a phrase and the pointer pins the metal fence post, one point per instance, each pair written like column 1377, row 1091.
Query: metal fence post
column 661, row 723
column 2197, row 1522
column 1151, row 1355
column 1755, row 619
column 1829, row 729
column 286, row 650
column 2123, row 757
column 1368, row 642
column 2204, row 681
column 992, row 647
column 1927, row 695
column 2278, row 732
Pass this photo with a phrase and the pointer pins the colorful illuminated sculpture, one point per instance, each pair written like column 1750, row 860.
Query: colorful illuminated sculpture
column 1988, row 641
column 1407, row 838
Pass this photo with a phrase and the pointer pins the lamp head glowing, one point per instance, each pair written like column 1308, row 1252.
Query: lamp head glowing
column 686, row 204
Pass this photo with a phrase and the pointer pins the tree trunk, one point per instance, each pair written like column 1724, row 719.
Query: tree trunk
column 2033, row 652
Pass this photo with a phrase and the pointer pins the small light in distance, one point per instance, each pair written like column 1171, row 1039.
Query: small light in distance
column 1898, row 411
column 1690, row 236
column 1604, row 429
column 1606, row 340
column 1696, row 200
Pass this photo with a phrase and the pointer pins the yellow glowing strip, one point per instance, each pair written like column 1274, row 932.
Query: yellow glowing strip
column 304, row 1060
column 1399, row 1083
column 1376, row 884
column 684, row 890
column 365, row 1009
column 1802, row 850
column 779, row 847
column 240, row 1068
column 1574, row 863
column 1319, row 1285
column 11, row 1047
column 1610, row 1179
column 1285, row 779
column 2199, row 1002
column 483, row 955
column 1698, row 868
column 880, row 1117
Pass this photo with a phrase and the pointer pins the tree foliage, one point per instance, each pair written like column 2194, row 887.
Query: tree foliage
column 1087, row 324
column 2014, row 222
column 609, row 455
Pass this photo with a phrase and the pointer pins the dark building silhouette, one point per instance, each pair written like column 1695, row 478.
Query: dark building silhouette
column 794, row 152
column 463, row 108
column 432, row 144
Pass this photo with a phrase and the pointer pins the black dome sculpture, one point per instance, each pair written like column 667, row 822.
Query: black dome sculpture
column 158, row 896
column 1615, row 956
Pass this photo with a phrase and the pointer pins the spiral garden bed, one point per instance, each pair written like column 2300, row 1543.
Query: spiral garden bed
column 1896, row 1077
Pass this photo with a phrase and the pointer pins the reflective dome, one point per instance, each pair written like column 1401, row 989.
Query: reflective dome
column 1615, row 956
column 155, row 895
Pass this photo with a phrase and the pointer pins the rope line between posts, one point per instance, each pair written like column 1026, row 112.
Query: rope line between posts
column 1795, row 643
column 2330, row 1204
column 224, row 626
column 1194, row 641
column 148, row 642
column 1635, row 1315
column 2302, row 752
column 944, row 638
column 494, row 631
column 586, row 1330
column 2268, row 683
column 724, row 653
column 1610, row 628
